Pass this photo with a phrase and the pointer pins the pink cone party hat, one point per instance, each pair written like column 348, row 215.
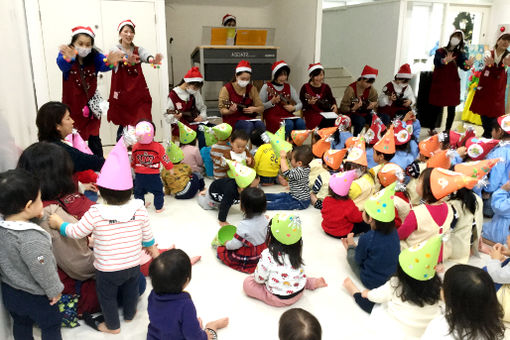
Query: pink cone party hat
column 341, row 182
column 116, row 171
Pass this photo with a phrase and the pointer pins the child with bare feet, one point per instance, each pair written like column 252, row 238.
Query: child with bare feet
column 172, row 314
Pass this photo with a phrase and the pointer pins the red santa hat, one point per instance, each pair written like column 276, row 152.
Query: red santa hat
column 228, row 17
column 243, row 66
column 369, row 72
column 478, row 148
column 193, row 75
column 503, row 31
column 83, row 30
column 124, row 23
column 404, row 72
column 313, row 67
column 278, row 65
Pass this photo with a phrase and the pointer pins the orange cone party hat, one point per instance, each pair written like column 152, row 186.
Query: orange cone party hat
column 299, row 136
column 387, row 144
column 357, row 153
column 389, row 173
column 444, row 182
column 320, row 147
column 334, row 158
column 430, row 146
column 326, row 132
column 477, row 169
column 442, row 159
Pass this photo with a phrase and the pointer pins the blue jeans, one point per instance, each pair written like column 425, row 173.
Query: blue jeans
column 293, row 124
column 249, row 126
column 145, row 183
column 284, row 201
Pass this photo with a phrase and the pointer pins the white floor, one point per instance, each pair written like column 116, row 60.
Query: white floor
column 217, row 289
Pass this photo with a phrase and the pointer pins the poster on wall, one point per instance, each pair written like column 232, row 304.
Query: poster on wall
column 477, row 51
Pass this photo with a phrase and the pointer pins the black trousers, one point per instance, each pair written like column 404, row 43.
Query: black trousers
column 487, row 123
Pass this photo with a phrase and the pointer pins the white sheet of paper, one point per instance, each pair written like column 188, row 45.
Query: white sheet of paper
column 329, row 115
column 253, row 120
column 295, row 117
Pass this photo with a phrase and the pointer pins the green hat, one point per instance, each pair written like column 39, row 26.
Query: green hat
column 419, row 261
column 210, row 137
column 278, row 143
column 380, row 206
column 281, row 131
column 222, row 131
column 286, row 228
column 243, row 174
column 174, row 153
column 226, row 233
column 186, row 134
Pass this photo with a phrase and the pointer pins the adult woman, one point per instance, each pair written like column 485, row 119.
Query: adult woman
column 360, row 98
column 489, row 99
column 54, row 169
column 317, row 97
column 54, row 123
column 185, row 104
column 239, row 101
column 445, row 86
column 80, row 62
column 130, row 99
column 277, row 97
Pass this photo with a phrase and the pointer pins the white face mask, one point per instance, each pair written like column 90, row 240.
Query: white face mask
column 243, row 83
column 83, row 52
column 454, row 41
column 191, row 91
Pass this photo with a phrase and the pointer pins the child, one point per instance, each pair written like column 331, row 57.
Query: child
column 433, row 216
column 500, row 173
column 243, row 251
column 181, row 182
column 498, row 269
column 146, row 157
column 320, row 173
column 221, row 149
column 472, row 310
column 117, row 227
column 339, row 214
column 298, row 324
column 384, row 150
column 374, row 259
column 372, row 136
column 30, row 283
column 386, row 176
column 342, row 133
column 267, row 164
column 364, row 186
column 298, row 176
column 409, row 299
column 497, row 229
column 239, row 152
column 279, row 279
column 406, row 147
column 224, row 192
column 192, row 157
column 172, row 314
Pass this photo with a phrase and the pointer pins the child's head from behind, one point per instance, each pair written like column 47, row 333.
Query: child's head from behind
column 256, row 137
column 253, row 202
column 498, row 132
column 361, row 169
column 238, row 141
column 284, row 237
column 380, row 157
column 298, row 324
column 170, row 272
column 423, row 187
column 301, row 156
column 145, row 131
column 19, row 193
column 115, row 197
column 383, row 227
column 418, row 292
column 471, row 303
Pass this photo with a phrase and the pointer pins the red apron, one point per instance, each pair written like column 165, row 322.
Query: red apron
column 489, row 99
column 184, row 106
column 364, row 97
column 445, row 86
column 130, row 99
column 244, row 259
column 275, row 115
column 312, row 113
column 73, row 94
column 391, row 110
column 234, row 97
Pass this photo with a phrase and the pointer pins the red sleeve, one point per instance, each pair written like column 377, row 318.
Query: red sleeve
column 164, row 158
column 410, row 224
column 354, row 215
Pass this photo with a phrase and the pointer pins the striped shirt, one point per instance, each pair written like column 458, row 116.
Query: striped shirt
column 218, row 150
column 298, row 182
column 117, row 244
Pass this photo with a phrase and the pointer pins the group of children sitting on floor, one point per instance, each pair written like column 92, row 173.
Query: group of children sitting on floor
column 410, row 210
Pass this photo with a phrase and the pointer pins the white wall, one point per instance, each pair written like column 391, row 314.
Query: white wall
column 500, row 14
column 353, row 36
column 17, row 102
column 295, row 33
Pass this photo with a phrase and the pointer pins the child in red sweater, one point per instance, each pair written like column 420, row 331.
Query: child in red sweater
column 340, row 216
column 145, row 159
